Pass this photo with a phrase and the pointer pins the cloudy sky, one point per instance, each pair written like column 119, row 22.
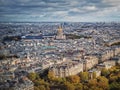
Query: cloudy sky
column 60, row 10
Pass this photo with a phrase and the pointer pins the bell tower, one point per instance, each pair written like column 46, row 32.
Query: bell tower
column 60, row 34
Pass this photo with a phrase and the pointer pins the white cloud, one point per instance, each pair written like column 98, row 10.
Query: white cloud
column 90, row 8
column 61, row 12
column 106, row 14
column 75, row 10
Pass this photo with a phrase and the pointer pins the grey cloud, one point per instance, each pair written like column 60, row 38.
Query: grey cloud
column 53, row 8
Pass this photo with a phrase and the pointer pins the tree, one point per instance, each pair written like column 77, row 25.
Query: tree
column 84, row 76
column 105, row 72
column 74, row 79
column 41, row 87
column 103, row 83
column 51, row 75
column 36, row 88
column 92, row 82
column 58, row 80
column 85, row 87
column 112, row 69
column 40, row 82
column 32, row 76
column 36, row 83
column 115, row 86
column 94, row 75
column 47, row 87
column 95, row 88
column 79, row 86
column 69, row 86
column 113, row 78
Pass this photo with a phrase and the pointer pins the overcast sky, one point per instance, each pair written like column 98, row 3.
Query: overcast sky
column 60, row 10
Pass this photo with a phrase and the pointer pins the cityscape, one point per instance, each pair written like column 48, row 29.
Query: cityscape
column 65, row 49
column 59, row 45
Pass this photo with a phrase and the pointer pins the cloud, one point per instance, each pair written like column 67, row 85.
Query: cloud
column 74, row 10
column 112, row 2
column 59, row 10
column 90, row 8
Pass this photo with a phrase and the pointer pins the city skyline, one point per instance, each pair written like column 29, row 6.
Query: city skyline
column 59, row 10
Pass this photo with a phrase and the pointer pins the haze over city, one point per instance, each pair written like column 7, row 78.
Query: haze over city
column 59, row 10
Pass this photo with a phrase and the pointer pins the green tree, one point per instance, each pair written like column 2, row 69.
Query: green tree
column 115, row 86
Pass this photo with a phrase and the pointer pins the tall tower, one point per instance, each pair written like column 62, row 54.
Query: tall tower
column 60, row 34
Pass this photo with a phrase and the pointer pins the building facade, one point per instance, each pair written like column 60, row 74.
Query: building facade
column 67, row 68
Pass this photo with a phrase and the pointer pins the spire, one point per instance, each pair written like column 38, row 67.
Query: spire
column 60, row 29
column 60, row 33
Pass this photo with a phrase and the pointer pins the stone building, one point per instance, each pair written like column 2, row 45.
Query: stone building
column 89, row 62
column 67, row 68
column 110, row 53
column 107, row 55
column 92, row 71
column 117, row 51
column 106, row 64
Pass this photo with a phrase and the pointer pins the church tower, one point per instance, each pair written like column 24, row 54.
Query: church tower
column 60, row 34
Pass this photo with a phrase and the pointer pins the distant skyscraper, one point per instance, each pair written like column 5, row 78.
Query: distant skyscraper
column 60, row 34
